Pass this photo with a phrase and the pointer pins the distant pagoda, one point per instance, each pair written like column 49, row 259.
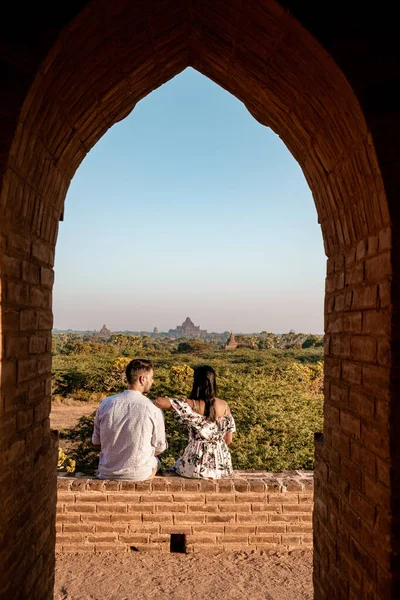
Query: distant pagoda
column 104, row 333
column 187, row 330
column 231, row 344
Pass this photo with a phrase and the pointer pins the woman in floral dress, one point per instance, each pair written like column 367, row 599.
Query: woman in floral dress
column 210, row 425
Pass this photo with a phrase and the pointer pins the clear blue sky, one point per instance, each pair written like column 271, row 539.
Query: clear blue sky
column 189, row 207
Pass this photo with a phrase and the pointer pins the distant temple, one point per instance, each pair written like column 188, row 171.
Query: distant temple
column 104, row 333
column 231, row 344
column 187, row 330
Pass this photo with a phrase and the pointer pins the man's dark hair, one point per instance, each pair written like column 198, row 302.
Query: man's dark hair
column 136, row 368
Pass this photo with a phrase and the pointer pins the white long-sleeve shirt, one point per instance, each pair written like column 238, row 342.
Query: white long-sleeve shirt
column 130, row 429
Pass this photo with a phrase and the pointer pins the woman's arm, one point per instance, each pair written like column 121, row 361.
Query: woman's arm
column 163, row 403
column 229, row 435
column 166, row 404
column 228, row 438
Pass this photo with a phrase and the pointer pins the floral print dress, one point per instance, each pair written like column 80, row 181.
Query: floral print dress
column 206, row 456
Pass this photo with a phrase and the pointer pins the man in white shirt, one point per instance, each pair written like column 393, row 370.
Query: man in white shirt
column 130, row 429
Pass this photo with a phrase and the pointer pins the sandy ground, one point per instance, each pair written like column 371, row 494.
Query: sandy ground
column 143, row 576
column 65, row 414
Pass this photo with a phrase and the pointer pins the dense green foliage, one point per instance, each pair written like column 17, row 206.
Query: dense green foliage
column 275, row 394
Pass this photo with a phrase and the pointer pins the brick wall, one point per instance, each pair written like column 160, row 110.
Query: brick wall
column 341, row 124
column 352, row 518
column 248, row 512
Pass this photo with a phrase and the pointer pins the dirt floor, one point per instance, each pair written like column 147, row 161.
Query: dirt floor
column 66, row 413
column 143, row 576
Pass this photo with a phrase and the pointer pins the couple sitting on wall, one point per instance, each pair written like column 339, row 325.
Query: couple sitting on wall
column 129, row 429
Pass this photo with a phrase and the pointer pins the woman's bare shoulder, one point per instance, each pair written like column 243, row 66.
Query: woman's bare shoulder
column 222, row 406
column 220, row 401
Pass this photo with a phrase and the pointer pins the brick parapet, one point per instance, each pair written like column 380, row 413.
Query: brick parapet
column 251, row 511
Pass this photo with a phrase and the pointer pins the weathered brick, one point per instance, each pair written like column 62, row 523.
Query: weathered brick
column 112, row 508
column 211, row 528
column 350, row 423
column 182, row 529
column 362, row 506
column 134, row 538
column 67, row 497
column 378, row 268
column 186, row 498
column 226, row 518
column 43, row 252
column 66, row 518
column 164, row 518
column 237, row 528
column 218, row 498
column 275, row 528
column 340, row 345
column 46, row 277
column 268, row 538
column 361, row 404
column 375, row 377
column 92, row 497
column 201, row 539
column 190, row 486
column 30, row 272
column 235, row 508
column 365, row 297
column 71, row 537
column 204, row 508
column 297, row 508
column 351, row 372
column 228, row 538
column 78, row 528
column 171, row 508
column 352, row 322
column 19, row 244
column 125, row 518
column 11, row 267
column 16, row 347
column 377, row 322
column 263, row 507
column 300, row 528
column 363, row 348
column 18, row 293
column 141, row 508
column 81, row 508
column 37, row 344
column 125, row 498
column 99, row 538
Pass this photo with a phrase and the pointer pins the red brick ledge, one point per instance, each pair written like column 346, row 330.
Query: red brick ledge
column 241, row 481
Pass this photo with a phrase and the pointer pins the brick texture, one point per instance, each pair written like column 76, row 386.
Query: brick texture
column 243, row 518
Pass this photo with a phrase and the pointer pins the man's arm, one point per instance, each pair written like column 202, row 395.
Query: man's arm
column 158, row 439
column 96, row 431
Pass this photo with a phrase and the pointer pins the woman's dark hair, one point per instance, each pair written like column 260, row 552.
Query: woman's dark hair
column 205, row 388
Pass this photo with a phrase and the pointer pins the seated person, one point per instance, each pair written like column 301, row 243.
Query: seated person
column 129, row 429
column 210, row 426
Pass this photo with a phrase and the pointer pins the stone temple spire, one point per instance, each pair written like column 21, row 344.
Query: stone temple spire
column 231, row 344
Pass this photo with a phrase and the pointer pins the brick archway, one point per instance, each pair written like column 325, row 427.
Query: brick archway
column 103, row 62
